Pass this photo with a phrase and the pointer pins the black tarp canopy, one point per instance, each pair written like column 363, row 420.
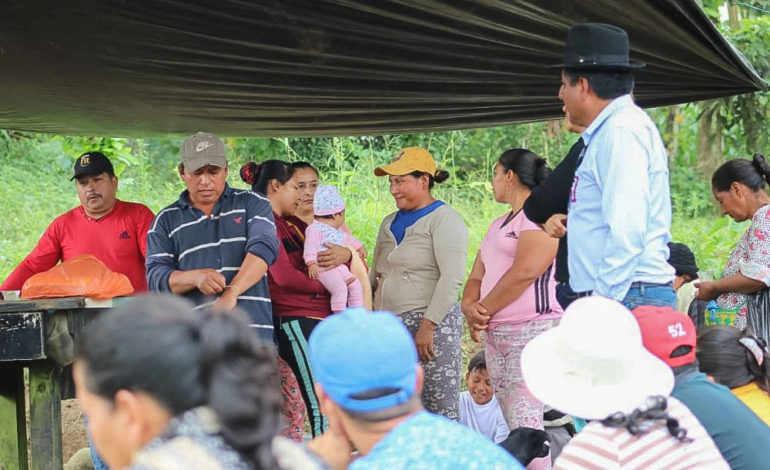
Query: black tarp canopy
column 330, row 67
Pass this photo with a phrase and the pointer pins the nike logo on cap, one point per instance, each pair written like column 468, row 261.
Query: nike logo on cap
column 203, row 145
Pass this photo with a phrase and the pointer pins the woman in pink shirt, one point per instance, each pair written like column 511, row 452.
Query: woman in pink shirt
column 510, row 291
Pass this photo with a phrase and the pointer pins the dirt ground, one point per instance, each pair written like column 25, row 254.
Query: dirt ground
column 73, row 429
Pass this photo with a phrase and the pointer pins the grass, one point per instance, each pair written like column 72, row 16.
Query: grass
column 36, row 189
column 33, row 195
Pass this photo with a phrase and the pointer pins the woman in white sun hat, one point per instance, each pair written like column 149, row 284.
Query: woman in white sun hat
column 594, row 366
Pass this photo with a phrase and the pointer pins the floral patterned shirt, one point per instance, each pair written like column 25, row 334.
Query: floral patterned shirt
column 431, row 442
column 751, row 257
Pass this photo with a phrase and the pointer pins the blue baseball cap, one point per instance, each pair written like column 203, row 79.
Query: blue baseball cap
column 358, row 351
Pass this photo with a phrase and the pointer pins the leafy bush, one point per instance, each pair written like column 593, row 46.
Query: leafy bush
column 37, row 168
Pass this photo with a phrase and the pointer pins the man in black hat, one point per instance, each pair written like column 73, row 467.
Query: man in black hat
column 112, row 230
column 619, row 206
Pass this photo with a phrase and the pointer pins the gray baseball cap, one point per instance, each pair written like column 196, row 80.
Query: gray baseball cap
column 201, row 149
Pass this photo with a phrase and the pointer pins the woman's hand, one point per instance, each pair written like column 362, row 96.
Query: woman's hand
column 477, row 318
column 707, row 290
column 334, row 256
column 710, row 290
column 471, row 296
column 467, row 309
column 423, row 339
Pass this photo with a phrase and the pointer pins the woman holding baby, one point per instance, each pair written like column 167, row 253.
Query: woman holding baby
column 299, row 302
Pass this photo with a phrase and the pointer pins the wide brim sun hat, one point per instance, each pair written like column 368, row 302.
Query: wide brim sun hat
column 593, row 364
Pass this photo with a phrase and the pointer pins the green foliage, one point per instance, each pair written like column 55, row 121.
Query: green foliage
column 711, row 239
column 37, row 169
column 464, row 152
column 691, row 194
column 746, row 114
column 711, row 8
column 34, row 191
column 700, row 136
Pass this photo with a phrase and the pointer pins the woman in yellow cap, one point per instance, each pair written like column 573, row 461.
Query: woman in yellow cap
column 417, row 271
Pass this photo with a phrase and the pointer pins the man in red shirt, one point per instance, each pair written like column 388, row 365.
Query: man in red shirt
column 113, row 231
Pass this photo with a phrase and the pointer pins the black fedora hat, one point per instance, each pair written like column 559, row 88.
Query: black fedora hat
column 597, row 46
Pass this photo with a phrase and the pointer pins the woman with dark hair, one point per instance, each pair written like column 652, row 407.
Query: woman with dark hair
column 738, row 361
column 510, row 292
column 739, row 187
column 166, row 385
column 293, row 406
column 417, row 270
column 299, row 303
column 307, row 182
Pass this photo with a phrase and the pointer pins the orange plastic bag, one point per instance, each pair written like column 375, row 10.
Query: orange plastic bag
column 81, row 276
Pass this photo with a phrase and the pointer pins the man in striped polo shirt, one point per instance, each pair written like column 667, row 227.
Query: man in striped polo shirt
column 215, row 243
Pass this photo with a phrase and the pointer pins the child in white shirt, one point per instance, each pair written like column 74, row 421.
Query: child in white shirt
column 479, row 408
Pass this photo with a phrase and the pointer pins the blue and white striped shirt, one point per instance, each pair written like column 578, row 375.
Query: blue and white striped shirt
column 182, row 238
column 620, row 208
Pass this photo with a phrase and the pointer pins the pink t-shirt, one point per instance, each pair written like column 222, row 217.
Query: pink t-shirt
column 498, row 250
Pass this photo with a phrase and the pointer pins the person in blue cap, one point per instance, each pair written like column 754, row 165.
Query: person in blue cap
column 368, row 380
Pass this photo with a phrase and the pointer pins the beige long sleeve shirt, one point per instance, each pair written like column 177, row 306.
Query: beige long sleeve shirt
column 426, row 270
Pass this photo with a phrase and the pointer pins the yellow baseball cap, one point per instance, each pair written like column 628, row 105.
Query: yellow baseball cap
column 408, row 160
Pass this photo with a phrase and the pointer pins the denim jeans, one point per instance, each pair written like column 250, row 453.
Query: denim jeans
column 640, row 293
column 645, row 293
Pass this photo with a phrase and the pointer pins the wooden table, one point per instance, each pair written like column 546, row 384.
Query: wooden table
column 22, row 345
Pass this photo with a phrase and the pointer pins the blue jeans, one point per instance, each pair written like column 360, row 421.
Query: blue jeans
column 640, row 293
column 645, row 293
